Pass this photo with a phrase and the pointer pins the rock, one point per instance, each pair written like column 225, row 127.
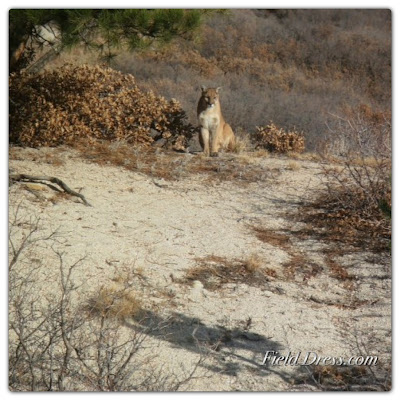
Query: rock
column 160, row 142
column 194, row 144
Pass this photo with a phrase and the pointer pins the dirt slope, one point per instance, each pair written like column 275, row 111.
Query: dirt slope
column 167, row 228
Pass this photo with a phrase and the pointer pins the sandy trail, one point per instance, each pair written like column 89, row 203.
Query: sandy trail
column 165, row 227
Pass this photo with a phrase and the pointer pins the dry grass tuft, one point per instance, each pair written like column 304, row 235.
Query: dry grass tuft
column 253, row 263
column 261, row 153
column 307, row 156
column 118, row 299
column 293, row 166
column 53, row 159
column 299, row 266
column 160, row 164
column 242, row 142
column 114, row 302
column 337, row 270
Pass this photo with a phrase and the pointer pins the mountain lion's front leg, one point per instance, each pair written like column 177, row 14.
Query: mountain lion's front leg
column 215, row 138
column 205, row 141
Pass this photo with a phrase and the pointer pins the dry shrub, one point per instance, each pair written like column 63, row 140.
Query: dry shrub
column 339, row 220
column 357, row 202
column 275, row 139
column 60, row 342
column 91, row 102
column 360, row 134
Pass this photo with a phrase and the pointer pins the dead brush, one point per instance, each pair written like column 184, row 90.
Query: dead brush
column 365, row 155
column 299, row 264
column 347, row 226
column 300, row 267
column 357, row 201
column 273, row 237
column 360, row 189
column 61, row 341
column 349, row 378
column 214, row 272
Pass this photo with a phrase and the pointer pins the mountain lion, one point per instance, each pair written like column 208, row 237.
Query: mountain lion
column 215, row 133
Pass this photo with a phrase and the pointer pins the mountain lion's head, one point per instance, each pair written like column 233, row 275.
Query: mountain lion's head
column 210, row 96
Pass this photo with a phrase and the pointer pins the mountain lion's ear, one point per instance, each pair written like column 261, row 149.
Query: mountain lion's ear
column 219, row 88
column 203, row 88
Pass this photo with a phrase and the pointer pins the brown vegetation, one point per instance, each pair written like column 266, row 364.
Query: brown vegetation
column 214, row 272
column 72, row 103
column 349, row 378
column 114, row 302
column 277, row 140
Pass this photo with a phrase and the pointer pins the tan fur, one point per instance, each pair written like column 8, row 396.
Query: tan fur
column 215, row 133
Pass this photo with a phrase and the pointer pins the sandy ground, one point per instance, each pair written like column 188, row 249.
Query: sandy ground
column 164, row 227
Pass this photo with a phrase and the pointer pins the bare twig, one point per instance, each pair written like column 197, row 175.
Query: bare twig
column 52, row 179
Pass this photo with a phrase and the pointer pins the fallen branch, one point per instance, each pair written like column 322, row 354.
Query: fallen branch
column 52, row 179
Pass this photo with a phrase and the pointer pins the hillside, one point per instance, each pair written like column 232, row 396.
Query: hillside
column 300, row 69
column 297, row 68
